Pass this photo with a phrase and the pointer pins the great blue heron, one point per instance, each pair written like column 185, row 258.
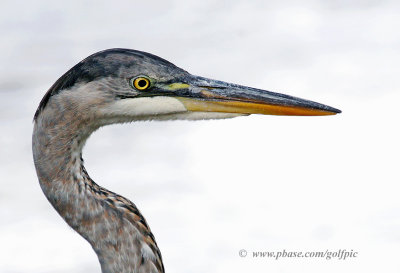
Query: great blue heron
column 123, row 85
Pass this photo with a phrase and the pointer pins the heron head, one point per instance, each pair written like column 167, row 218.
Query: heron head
column 120, row 85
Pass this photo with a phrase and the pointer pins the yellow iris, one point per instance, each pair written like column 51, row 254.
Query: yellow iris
column 141, row 83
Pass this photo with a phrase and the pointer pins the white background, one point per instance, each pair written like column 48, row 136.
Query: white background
column 211, row 188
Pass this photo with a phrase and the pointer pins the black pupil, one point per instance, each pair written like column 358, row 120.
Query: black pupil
column 142, row 83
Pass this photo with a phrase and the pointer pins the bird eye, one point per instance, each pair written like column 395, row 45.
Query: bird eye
column 140, row 83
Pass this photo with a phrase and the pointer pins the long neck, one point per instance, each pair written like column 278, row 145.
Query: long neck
column 111, row 223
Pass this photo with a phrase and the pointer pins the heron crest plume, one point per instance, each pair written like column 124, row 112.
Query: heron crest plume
column 117, row 86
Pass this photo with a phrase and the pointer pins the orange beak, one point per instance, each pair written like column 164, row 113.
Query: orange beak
column 206, row 95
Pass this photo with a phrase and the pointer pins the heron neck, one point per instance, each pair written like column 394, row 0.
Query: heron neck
column 111, row 223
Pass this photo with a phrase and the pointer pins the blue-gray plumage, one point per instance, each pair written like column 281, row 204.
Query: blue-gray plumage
column 123, row 85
